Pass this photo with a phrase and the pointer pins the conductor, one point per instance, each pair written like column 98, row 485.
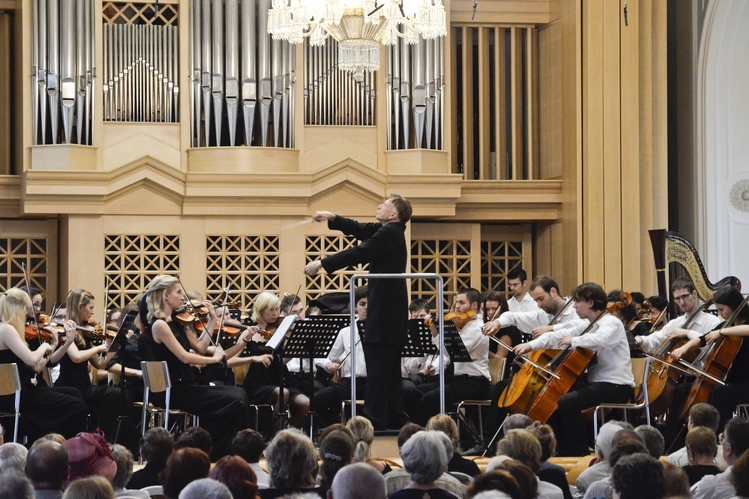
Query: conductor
column 383, row 246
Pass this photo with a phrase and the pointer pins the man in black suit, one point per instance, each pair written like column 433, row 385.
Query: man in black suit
column 383, row 246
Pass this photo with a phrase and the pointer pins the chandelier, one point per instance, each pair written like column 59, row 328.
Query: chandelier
column 357, row 25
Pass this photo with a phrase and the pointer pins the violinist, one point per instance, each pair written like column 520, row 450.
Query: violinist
column 44, row 409
column 298, row 368
column 264, row 378
column 222, row 409
column 494, row 305
column 609, row 379
column 327, row 402
column 74, row 366
column 128, row 354
column 658, row 313
column 632, row 325
column 470, row 379
column 726, row 397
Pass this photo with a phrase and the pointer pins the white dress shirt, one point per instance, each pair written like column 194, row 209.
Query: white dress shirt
column 528, row 321
column 609, row 340
column 714, row 486
column 341, row 347
column 477, row 345
column 415, row 365
column 527, row 304
column 703, row 323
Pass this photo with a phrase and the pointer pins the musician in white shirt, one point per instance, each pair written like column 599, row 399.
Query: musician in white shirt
column 521, row 301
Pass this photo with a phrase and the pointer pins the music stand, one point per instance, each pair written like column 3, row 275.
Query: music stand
column 119, row 344
column 313, row 338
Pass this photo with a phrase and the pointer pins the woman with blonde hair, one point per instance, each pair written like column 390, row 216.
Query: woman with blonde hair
column 44, row 409
column 363, row 432
column 264, row 378
column 445, row 424
column 222, row 409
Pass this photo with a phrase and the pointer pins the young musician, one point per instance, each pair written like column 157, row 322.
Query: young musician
column 521, row 301
column 298, row 368
column 726, row 397
column 264, row 378
column 222, row 409
column 658, row 313
column 495, row 305
column 43, row 409
column 609, row 378
column 82, row 353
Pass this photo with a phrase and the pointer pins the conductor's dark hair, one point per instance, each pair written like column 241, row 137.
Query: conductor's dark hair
column 517, row 274
column 591, row 291
column 402, row 206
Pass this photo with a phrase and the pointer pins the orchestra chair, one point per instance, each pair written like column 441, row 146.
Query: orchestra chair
column 240, row 372
column 155, row 491
column 347, row 404
column 10, row 383
column 640, row 368
column 156, row 380
column 496, row 369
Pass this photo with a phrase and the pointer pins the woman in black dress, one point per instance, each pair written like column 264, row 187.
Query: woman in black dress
column 43, row 410
column 222, row 409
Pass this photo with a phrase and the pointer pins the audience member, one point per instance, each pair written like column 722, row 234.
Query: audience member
column 735, row 442
column 249, row 445
column 445, row 424
column 638, row 476
column 522, row 474
column 406, row 432
column 624, row 443
column 677, row 481
column 124, row 460
column 357, row 481
column 701, row 414
column 336, row 451
column 492, row 484
column 206, row 488
column 292, row 464
column 182, row 467
column 47, row 468
column 740, row 475
column 237, row 475
column 55, row 437
column 92, row 487
column 601, row 467
column 195, row 437
column 156, row 445
column 702, row 447
column 525, row 448
column 89, row 454
column 13, row 485
column 13, row 457
column 653, row 440
column 550, row 472
column 425, row 459
column 363, row 432
column 516, row 422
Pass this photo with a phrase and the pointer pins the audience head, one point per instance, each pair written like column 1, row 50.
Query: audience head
column 249, row 445
column 701, row 444
column 626, row 443
column 638, row 476
column 522, row 446
column 358, row 481
column 13, row 456
column 291, row 460
column 92, row 487
column 424, row 456
column 336, row 451
column 182, row 467
column 516, row 422
column 336, row 427
column 124, row 460
column 603, row 440
column 523, row 475
column 206, row 488
column 195, row 437
column 55, row 437
column 89, row 454
column 13, row 485
column 156, row 445
column 363, row 432
column 47, row 465
column 445, row 424
column 499, row 481
column 236, row 474
column 406, row 432
column 704, row 414
column 735, row 439
column 653, row 440
column 677, row 481
column 545, row 436
column 740, row 475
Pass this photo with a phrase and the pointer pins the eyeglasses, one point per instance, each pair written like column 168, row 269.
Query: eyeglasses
column 37, row 305
column 681, row 297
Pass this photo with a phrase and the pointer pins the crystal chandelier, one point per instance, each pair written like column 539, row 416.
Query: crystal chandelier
column 357, row 25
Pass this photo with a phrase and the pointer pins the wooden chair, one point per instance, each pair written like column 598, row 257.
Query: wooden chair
column 240, row 373
column 496, row 369
column 156, row 380
column 10, row 383
column 640, row 368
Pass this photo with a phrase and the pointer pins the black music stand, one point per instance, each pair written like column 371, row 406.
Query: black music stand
column 313, row 338
column 119, row 344
column 276, row 343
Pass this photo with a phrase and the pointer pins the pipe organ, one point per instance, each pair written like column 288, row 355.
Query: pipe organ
column 63, row 71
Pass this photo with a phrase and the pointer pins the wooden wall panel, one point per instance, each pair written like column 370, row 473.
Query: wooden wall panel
column 550, row 101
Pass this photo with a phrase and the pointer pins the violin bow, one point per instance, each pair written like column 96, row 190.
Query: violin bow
column 28, row 286
column 223, row 315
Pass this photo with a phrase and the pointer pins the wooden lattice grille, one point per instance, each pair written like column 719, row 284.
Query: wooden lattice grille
column 246, row 265
column 498, row 258
column 16, row 251
column 139, row 13
column 451, row 258
column 317, row 247
column 131, row 261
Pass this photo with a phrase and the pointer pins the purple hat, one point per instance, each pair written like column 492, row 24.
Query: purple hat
column 89, row 454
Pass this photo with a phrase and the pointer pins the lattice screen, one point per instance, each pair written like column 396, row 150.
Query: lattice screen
column 247, row 265
column 131, row 261
column 139, row 13
column 497, row 259
column 14, row 251
column 450, row 258
column 317, row 247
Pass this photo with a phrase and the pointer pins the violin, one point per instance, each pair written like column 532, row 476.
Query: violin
column 460, row 320
column 95, row 331
column 35, row 329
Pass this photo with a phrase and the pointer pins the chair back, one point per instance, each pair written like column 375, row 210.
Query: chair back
column 240, row 373
column 154, row 490
column 640, row 368
column 463, row 478
column 496, row 369
column 10, row 381
column 155, row 376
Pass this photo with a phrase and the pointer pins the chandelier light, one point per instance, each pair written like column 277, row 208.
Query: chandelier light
column 358, row 26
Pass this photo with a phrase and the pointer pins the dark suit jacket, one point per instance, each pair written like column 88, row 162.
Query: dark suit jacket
column 383, row 247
